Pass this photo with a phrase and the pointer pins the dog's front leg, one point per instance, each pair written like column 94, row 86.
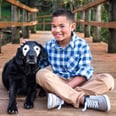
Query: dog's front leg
column 31, row 94
column 12, row 108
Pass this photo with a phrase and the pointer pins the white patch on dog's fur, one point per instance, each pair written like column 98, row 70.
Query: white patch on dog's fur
column 37, row 50
column 25, row 49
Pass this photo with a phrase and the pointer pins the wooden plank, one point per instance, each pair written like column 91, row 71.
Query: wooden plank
column 90, row 5
column 20, row 5
column 100, row 24
column 17, row 24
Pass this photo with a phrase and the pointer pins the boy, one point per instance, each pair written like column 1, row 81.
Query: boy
column 71, row 79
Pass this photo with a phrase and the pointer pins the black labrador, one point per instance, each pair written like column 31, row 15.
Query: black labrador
column 18, row 75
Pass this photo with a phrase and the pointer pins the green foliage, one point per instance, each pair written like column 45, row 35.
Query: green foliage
column 5, row 11
column 104, row 34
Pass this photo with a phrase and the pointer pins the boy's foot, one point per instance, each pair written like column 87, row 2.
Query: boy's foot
column 54, row 101
column 101, row 103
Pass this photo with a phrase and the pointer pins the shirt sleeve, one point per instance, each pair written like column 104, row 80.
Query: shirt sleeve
column 85, row 69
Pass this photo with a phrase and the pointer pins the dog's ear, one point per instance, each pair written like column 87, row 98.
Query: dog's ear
column 43, row 57
column 43, row 53
column 19, row 56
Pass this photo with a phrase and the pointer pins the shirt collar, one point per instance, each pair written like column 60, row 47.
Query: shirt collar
column 55, row 44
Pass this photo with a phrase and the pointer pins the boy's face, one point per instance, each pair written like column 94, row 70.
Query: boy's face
column 62, row 28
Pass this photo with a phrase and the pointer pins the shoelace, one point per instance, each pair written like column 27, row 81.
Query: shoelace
column 60, row 104
column 90, row 104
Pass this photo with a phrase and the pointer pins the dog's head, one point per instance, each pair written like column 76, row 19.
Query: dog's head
column 31, row 52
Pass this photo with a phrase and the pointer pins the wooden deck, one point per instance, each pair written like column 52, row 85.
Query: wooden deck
column 102, row 62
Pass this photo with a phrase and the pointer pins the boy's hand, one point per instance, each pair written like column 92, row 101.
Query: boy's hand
column 22, row 41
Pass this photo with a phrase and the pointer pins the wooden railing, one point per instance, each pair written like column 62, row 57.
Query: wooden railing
column 15, row 24
column 84, row 8
column 22, row 6
column 111, row 25
column 94, row 23
column 97, row 24
column 90, row 5
column 43, row 23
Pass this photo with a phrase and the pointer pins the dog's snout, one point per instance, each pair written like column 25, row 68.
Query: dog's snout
column 31, row 56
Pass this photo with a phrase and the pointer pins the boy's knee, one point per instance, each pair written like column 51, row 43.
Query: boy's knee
column 39, row 74
column 109, row 80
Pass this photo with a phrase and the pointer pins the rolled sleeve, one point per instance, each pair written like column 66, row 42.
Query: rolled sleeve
column 85, row 69
column 86, row 72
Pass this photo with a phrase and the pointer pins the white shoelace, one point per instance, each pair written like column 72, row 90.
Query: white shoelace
column 60, row 105
column 90, row 104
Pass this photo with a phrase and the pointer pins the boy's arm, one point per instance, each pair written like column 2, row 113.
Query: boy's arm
column 76, row 81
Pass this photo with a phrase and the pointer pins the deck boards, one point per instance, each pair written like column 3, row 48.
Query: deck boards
column 102, row 62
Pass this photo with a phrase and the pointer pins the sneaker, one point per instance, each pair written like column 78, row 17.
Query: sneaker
column 54, row 101
column 101, row 103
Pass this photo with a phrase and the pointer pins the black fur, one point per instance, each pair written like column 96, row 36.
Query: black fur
column 18, row 75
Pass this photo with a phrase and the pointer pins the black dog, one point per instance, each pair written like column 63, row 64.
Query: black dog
column 19, row 74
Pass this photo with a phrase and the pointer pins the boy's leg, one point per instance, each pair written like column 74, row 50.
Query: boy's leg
column 58, row 86
column 98, row 84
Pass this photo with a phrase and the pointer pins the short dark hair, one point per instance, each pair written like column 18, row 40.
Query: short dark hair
column 63, row 12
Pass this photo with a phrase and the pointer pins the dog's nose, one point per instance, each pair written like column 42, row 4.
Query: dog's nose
column 31, row 56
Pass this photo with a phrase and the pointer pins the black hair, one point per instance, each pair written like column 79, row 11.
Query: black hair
column 63, row 12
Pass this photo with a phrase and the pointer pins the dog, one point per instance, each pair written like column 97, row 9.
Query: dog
column 18, row 74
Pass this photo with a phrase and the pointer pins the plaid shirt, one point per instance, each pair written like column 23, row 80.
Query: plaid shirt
column 73, row 60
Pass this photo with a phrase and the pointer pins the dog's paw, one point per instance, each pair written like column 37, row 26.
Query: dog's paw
column 28, row 105
column 12, row 109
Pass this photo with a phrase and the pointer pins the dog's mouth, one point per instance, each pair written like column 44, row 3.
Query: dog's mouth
column 31, row 60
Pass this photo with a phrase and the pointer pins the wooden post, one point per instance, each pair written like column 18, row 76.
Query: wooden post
column 43, row 23
column 25, row 30
column 98, row 18
column 87, row 27
column 97, row 30
column 75, row 19
column 87, row 18
column 15, row 31
column 83, row 18
column 112, row 35
column 33, row 18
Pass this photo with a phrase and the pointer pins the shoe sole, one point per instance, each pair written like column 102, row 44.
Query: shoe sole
column 49, row 102
column 108, row 102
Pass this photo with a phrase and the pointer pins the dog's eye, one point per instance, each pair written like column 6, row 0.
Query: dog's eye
column 25, row 50
column 37, row 50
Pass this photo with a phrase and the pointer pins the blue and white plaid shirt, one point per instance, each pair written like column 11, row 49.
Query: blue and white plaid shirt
column 73, row 60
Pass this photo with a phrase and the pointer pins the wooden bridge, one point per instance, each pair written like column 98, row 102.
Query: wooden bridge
column 103, row 60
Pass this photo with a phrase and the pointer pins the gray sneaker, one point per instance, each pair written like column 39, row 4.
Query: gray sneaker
column 101, row 103
column 54, row 101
